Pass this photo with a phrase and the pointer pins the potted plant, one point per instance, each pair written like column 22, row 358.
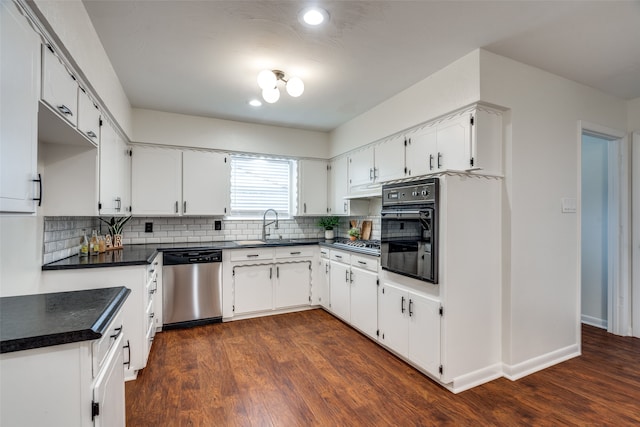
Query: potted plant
column 354, row 233
column 328, row 223
column 116, row 224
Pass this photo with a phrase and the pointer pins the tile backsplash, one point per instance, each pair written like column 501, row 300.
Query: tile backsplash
column 62, row 234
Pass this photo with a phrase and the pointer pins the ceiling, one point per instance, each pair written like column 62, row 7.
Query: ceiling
column 202, row 57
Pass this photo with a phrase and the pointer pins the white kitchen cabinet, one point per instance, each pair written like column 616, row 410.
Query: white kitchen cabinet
column 410, row 325
column 205, row 183
column 312, row 189
column 454, row 144
column 340, row 290
column 156, row 181
column 292, row 284
column 420, row 150
column 88, row 117
column 59, row 385
column 115, row 173
column 153, row 303
column 135, row 314
column 364, row 300
column 339, row 189
column 59, row 87
column 321, row 288
column 20, row 88
column 253, row 288
column 361, row 167
column 389, row 159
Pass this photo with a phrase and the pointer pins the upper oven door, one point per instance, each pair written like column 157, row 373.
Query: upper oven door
column 408, row 242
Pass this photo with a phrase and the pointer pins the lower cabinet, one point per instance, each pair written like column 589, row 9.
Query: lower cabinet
column 140, row 312
column 253, row 290
column 409, row 324
column 323, row 280
column 72, row 385
column 340, row 291
column 292, row 284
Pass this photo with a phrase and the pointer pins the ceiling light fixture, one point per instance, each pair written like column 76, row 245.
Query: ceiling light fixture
column 314, row 16
column 268, row 82
column 255, row 103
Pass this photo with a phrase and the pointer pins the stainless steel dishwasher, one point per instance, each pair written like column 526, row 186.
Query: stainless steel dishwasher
column 192, row 288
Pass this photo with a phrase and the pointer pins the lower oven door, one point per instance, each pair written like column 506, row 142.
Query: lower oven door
column 408, row 243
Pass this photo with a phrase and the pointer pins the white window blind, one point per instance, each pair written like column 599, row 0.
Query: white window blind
column 258, row 184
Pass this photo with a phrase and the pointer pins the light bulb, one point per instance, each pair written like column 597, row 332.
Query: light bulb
column 271, row 95
column 314, row 16
column 295, row 87
column 266, row 79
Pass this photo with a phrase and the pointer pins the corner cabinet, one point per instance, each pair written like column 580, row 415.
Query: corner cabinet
column 20, row 88
column 172, row 182
column 312, row 188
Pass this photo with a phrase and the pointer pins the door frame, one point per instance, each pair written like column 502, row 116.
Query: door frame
column 635, row 226
column 619, row 225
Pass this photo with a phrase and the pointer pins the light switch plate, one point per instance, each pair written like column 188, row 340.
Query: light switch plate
column 569, row 205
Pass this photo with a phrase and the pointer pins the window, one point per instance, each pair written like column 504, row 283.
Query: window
column 260, row 183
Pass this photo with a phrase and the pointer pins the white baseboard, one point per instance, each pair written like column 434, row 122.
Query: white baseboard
column 520, row 370
column 473, row 379
column 594, row 321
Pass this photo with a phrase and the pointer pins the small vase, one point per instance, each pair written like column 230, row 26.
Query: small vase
column 329, row 234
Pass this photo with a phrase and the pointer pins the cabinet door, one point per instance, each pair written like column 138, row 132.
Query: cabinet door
column 109, row 391
column 424, row 332
column 293, row 284
column 392, row 318
column 206, row 180
column 59, row 87
column 361, row 167
column 324, row 285
column 312, row 190
column 421, row 152
column 111, row 180
column 88, row 117
column 338, row 185
column 156, row 181
column 454, row 144
column 364, row 301
column 389, row 159
column 20, row 59
column 340, row 290
column 252, row 288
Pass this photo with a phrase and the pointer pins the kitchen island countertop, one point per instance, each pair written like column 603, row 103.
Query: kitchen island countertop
column 43, row 320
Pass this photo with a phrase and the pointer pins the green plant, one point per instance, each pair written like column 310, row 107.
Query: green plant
column 328, row 222
column 355, row 232
column 116, row 224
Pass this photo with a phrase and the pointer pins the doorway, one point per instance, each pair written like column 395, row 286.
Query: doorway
column 605, row 273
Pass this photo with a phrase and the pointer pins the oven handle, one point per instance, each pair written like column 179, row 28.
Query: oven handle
column 406, row 214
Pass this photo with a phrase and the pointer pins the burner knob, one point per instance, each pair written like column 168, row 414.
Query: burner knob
column 425, row 192
column 415, row 193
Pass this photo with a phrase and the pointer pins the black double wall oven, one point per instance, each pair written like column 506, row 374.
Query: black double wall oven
column 409, row 236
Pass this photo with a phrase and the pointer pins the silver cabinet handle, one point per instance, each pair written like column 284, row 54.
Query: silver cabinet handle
column 371, row 174
column 345, row 207
column 118, row 204
column 184, row 207
column 305, row 207
column 176, row 206
column 430, row 162
column 362, row 262
column 338, row 256
column 253, row 255
column 346, row 276
column 91, row 134
column 439, row 160
column 295, row 253
column 350, row 276
column 65, row 110
column 270, row 272
column 278, row 272
column 402, row 305
column 410, row 304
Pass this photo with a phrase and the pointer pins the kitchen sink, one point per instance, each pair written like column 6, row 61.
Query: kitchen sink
column 250, row 242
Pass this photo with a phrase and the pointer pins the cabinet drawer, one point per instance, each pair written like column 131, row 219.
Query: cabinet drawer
column 102, row 346
column 365, row 262
column 294, row 252
column 340, row 256
column 324, row 252
column 251, row 254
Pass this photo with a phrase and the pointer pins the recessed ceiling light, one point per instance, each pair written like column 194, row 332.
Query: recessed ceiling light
column 314, row 16
column 255, row 103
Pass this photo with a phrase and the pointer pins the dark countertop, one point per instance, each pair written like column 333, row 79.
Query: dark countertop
column 144, row 254
column 43, row 320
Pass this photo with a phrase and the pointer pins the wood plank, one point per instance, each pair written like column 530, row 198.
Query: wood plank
column 309, row 368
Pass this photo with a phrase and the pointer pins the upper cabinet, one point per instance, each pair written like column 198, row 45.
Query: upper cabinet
column 20, row 88
column 361, row 167
column 389, row 159
column 312, row 189
column 115, row 173
column 205, row 183
column 338, row 183
column 59, row 86
column 88, row 117
column 171, row 182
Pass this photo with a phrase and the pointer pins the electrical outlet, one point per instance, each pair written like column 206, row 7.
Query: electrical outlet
column 148, row 227
column 217, row 225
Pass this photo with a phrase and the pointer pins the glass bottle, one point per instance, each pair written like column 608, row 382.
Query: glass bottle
column 101, row 244
column 84, row 245
column 94, row 248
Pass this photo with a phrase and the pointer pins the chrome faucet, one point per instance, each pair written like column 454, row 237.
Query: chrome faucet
column 265, row 224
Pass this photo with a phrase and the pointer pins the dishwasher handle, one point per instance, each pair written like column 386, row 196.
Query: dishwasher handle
column 191, row 257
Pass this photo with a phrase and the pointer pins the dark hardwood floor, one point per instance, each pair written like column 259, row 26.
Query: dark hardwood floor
column 308, row 368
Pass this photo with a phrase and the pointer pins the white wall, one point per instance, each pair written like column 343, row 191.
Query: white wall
column 157, row 127
column 594, row 230
column 541, row 162
column 71, row 23
column 455, row 86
